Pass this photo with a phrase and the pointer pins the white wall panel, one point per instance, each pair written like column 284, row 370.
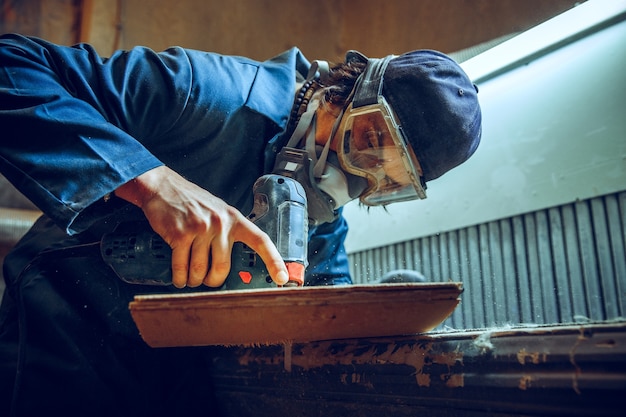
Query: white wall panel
column 554, row 132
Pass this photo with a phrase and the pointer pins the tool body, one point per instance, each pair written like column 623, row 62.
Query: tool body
column 140, row 256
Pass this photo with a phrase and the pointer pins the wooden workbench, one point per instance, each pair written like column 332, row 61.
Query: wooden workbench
column 569, row 370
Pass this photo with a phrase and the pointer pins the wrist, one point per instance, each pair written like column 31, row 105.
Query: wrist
column 141, row 188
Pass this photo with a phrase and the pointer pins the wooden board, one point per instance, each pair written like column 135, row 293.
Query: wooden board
column 306, row 314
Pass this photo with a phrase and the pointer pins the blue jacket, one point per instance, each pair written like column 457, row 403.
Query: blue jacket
column 75, row 126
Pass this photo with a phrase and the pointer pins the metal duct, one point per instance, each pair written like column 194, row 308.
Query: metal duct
column 14, row 223
column 565, row 264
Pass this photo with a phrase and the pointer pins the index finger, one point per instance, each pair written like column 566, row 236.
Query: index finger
column 250, row 234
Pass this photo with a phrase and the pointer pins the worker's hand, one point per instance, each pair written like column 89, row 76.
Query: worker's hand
column 199, row 227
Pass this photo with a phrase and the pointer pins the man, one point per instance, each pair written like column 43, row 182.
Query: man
column 178, row 138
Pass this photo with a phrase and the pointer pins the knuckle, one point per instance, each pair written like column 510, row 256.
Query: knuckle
column 258, row 240
column 221, row 268
column 219, row 217
column 180, row 268
column 233, row 212
column 198, row 268
column 196, row 226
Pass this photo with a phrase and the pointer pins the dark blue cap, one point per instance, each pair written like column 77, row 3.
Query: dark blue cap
column 438, row 108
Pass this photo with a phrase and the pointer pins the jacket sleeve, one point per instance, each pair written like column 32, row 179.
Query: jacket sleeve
column 72, row 122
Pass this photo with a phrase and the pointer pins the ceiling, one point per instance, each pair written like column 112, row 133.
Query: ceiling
column 262, row 28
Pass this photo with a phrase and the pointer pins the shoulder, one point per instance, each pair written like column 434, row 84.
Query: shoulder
column 265, row 87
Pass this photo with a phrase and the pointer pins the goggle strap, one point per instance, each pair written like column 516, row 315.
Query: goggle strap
column 370, row 83
column 318, row 169
column 320, row 164
column 319, row 69
column 303, row 124
column 310, row 143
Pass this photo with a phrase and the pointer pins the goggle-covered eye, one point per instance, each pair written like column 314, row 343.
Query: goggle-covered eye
column 373, row 146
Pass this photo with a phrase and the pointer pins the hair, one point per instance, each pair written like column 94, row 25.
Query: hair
column 340, row 82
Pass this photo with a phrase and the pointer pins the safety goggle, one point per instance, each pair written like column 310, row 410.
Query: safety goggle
column 373, row 146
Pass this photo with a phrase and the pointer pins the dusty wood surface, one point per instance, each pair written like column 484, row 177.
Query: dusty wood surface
column 258, row 317
column 568, row 370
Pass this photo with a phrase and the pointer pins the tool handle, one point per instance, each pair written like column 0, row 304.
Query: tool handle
column 280, row 210
column 140, row 256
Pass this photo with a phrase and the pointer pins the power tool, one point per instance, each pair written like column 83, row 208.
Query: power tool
column 140, row 256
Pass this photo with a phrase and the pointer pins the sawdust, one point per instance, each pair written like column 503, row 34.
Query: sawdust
column 582, row 337
column 419, row 356
column 455, row 381
column 524, row 357
column 525, row 382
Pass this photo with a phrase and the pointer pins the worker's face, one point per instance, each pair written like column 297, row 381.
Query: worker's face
column 372, row 138
column 374, row 148
column 371, row 145
column 341, row 186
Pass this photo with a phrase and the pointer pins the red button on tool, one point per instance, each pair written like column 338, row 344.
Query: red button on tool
column 296, row 273
column 245, row 276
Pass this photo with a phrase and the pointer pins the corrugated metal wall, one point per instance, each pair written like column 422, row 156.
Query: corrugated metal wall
column 561, row 265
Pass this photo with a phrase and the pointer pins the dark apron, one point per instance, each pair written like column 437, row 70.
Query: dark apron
column 68, row 345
